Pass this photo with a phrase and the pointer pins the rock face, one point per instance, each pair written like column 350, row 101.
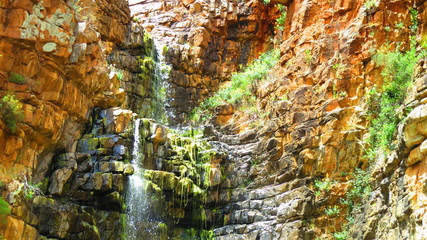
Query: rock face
column 84, row 189
column 58, row 51
column 286, row 178
column 206, row 41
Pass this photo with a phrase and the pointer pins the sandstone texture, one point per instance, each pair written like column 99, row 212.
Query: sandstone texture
column 77, row 66
column 59, row 49
column 205, row 42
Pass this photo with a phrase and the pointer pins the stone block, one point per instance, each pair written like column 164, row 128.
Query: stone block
column 120, row 151
column 118, row 183
column 88, row 145
column 107, row 181
column 94, row 182
column 59, row 178
column 104, row 151
column 111, row 166
column 128, row 169
column 108, row 141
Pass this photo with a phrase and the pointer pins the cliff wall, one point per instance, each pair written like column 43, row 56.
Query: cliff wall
column 302, row 170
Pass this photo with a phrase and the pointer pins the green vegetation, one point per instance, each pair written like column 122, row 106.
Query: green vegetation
column 323, row 186
column 399, row 25
column 266, row 2
column 332, row 211
column 383, row 103
column 4, row 210
column 343, row 235
column 240, row 90
column 308, row 57
column 17, row 78
column 358, row 188
column 196, row 234
column 11, row 111
column 280, row 21
column 398, row 71
column 339, row 69
column 370, row 4
column 120, row 74
column 146, row 66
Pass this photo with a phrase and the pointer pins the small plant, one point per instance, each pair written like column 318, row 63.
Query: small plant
column 370, row 5
column 280, row 21
column 398, row 71
column 17, row 78
column 332, row 211
column 322, row 186
column 120, row 74
column 4, row 210
column 240, row 90
column 359, row 187
column 266, row 2
column 339, row 69
column 27, row 189
column 308, row 56
column 165, row 49
column 387, row 29
column 343, row 235
column 414, row 20
column 11, row 111
column 399, row 25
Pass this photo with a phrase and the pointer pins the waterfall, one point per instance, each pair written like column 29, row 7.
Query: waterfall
column 144, row 211
column 136, row 205
column 161, row 87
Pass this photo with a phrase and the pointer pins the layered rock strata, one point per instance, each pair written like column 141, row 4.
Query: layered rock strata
column 206, row 41
column 53, row 59
column 82, row 195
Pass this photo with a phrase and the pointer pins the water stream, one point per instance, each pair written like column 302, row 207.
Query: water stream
column 144, row 217
column 136, row 202
column 161, row 86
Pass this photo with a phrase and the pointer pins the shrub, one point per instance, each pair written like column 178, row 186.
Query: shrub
column 120, row 74
column 341, row 235
column 398, row 71
column 240, row 90
column 332, row 211
column 16, row 78
column 322, row 186
column 11, row 111
column 280, row 21
column 358, row 188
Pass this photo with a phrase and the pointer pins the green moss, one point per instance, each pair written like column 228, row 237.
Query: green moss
column 4, row 210
column 148, row 44
column 17, row 78
column 11, row 111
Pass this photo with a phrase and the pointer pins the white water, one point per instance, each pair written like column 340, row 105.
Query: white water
column 161, row 84
column 136, row 202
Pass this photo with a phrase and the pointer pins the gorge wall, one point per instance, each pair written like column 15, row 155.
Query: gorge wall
column 74, row 65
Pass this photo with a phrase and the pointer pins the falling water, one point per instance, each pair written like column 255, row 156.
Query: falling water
column 144, row 212
column 161, row 86
column 136, row 204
